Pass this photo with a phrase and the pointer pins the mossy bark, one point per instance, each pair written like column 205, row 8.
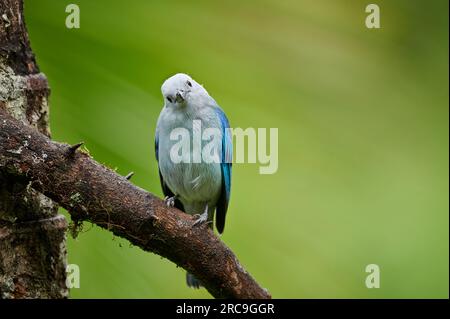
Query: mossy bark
column 32, row 234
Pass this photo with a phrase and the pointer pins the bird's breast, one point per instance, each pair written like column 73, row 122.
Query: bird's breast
column 194, row 180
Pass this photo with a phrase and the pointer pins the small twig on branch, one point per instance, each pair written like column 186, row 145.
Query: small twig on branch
column 73, row 148
column 129, row 175
column 92, row 192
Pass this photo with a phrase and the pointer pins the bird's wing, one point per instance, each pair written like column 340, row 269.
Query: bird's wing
column 226, row 159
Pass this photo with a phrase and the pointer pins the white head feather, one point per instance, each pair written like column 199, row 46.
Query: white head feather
column 180, row 88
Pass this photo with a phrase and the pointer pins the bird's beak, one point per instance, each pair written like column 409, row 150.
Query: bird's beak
column 179, row 97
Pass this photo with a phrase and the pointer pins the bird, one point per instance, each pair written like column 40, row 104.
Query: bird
column 197, row 188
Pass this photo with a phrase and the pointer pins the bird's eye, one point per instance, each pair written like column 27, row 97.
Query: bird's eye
column 189, row 83
column 169, row 99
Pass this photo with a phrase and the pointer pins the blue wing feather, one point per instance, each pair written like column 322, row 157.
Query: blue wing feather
column 226, row 159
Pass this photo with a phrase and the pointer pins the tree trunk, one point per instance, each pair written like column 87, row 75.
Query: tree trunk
column 32, row 234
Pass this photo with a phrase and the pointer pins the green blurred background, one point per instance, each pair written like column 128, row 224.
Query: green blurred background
column 363, row 134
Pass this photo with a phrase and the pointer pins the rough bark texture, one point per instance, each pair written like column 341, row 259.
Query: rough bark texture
column 32, row 234
column 92, row 192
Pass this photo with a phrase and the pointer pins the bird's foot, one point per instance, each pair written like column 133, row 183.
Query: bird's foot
column 202, row 218
column 170, row 201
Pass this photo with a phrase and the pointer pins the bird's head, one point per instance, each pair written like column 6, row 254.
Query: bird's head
column 178, row 89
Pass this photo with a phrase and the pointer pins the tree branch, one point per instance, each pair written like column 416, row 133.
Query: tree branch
column 92, row 192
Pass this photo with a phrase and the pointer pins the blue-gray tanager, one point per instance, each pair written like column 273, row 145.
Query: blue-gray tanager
column 198, row 187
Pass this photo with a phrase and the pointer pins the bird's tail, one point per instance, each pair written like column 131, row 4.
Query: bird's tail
column 193, row 282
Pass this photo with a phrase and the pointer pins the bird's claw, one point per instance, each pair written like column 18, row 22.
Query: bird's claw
column 201, row 219
column 170, row 201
